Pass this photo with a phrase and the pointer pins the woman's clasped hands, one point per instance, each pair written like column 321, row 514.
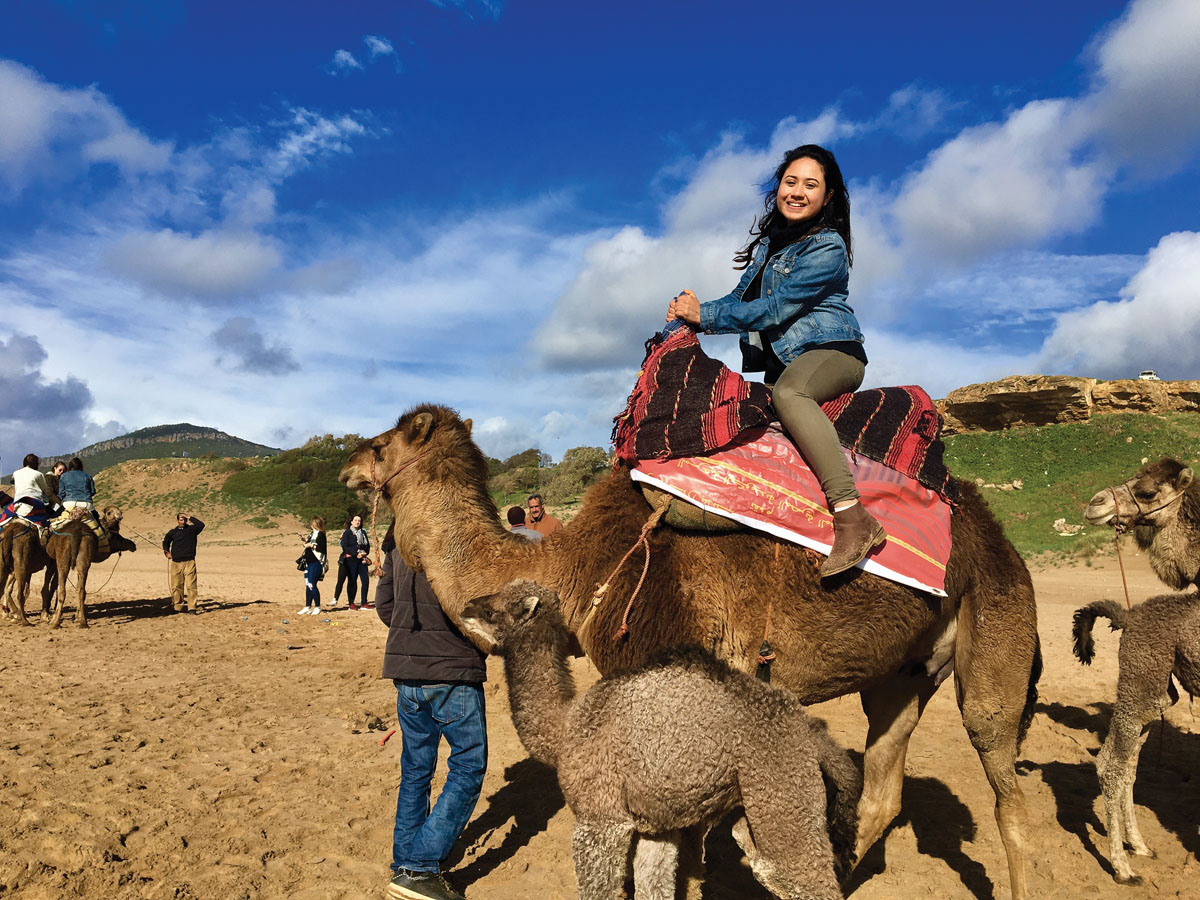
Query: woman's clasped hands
column 685, row 306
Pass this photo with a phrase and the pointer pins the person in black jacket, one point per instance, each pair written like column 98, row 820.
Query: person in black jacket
column 439, row 677
column 354, row 563
column 179, row 547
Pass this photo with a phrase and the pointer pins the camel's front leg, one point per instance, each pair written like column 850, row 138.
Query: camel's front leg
column 994, row 676
column 655, row 860
column 600, row 851
column 22, row 583
column 49, row 590
column 1119, row 770
column 893, row 710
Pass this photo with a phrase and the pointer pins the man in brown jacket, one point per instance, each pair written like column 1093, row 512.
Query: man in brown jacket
column 539, row 520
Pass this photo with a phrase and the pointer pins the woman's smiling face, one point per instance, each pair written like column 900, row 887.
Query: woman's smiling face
column 802, row 193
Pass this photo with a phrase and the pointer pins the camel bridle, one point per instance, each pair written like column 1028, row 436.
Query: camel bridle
column 1140, row 518
column 378, row 488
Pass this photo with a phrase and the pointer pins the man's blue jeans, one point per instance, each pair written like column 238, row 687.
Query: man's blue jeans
column 428, row 712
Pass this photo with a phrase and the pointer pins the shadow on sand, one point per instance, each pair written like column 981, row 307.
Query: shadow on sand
column 529, row 799
column 1165, row 785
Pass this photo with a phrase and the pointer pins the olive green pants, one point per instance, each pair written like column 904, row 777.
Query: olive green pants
column 809, row 380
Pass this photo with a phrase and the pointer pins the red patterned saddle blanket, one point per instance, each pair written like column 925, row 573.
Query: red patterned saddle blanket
column 686, row 404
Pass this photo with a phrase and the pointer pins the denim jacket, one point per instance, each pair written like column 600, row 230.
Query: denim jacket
column 803, row 302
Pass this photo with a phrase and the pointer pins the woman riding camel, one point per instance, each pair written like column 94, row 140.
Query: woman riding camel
column 791, row 309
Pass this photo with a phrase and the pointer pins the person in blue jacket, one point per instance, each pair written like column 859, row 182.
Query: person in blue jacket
column 791, row 308
column 75, row 486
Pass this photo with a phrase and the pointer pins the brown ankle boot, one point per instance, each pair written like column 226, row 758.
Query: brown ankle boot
column 855, row 533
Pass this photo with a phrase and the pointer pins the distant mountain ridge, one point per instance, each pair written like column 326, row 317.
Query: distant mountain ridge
column 181, row 440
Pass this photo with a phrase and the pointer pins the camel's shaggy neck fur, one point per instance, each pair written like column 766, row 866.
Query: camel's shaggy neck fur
column 541, row 688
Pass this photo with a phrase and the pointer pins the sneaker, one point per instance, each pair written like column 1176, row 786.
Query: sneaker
column 353, row 607
column 302, row 612
column 406, row 885
column 368, row 606
column 334, row 604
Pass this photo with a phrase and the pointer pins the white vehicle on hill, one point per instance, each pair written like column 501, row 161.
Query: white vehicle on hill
column 1148, row 375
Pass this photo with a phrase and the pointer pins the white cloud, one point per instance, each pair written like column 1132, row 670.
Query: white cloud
column 378, row 45
column 343, row 61
column 47, row 131
column 1148, row 79
column 1155, row 324
column 211, row 265
column 1001, row 185
column 311, row 135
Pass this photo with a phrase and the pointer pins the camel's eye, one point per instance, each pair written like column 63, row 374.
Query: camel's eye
column 377, row 450
column 1145, row 495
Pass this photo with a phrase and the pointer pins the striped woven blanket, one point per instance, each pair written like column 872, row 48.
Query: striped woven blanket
column 686, row 404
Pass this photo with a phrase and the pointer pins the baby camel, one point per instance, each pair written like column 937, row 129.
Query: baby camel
column 674, row 744
column 1161, row 639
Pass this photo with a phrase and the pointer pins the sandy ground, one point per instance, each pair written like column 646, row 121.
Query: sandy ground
column 237, row 754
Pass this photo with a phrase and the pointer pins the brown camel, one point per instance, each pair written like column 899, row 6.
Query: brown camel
column 1161, row 638
column 73, row 546
column 1161, row 504
column 857, row 632
column 675, row 744
column 21, row 557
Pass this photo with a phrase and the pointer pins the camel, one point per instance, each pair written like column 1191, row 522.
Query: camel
column 857, row 632
column 21, row 557
column 1161, row 638
column 1161, row 505
column 73, row 546
column 677, row 743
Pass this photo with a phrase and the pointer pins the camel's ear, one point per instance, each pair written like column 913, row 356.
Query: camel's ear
column 1185, row 478
column 528, row 605
column 419, row 428
column 467, row 424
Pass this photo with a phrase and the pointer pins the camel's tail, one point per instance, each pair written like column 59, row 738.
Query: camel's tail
column 1085, row 617
column 843, row 787
column 1031, row 693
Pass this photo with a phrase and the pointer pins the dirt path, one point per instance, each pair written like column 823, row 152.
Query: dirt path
column 236, row 754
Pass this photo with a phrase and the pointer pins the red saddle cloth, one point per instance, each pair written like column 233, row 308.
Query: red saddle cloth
column 762, row 482
column 687, row 404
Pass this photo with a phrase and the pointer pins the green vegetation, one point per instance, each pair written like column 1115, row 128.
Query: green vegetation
column 302, row 482
column 531, row 472
column 1061, row 467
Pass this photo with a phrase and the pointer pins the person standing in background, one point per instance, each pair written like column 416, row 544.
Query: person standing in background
column 179, row 547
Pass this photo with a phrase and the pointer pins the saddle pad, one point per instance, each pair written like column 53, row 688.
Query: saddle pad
column 764, row 483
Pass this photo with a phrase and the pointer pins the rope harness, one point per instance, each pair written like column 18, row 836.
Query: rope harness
column 1119, row 529
column 601, row 589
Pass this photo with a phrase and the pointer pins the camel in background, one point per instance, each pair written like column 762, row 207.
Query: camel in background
column 855, row 633
column 71, row 547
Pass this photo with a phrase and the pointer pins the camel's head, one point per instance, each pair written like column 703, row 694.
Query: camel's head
column 492, row 621
column 1150, row 498
column 422, row 431
column 110, row 518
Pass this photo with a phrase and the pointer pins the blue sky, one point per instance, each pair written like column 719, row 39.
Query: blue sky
column 282, row 219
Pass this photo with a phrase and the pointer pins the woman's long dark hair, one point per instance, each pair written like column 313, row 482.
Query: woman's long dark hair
column 835, row 214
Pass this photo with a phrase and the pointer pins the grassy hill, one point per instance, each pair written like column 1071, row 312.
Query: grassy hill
column 1062, row 466
column 180, row 441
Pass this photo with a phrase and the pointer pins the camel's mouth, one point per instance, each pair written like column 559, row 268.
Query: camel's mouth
column 352, row 478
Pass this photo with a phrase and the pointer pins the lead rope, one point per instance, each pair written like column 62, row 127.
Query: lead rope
column 1117, row 544
column 602, row 589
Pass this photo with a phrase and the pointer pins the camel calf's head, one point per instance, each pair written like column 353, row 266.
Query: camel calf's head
column 1149, row 498
column 494, row 621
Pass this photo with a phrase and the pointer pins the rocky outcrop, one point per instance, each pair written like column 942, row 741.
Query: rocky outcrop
column 1024, row 400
